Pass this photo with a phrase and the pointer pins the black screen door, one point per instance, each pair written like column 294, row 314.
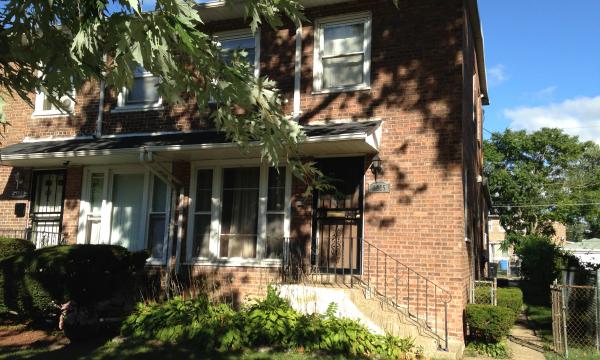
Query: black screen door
column 47, row 208
column 338, row 217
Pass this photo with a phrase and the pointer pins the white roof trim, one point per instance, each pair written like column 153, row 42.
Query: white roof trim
column 371, row 139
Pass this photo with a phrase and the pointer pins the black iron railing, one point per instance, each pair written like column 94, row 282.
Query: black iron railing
column 353, row 262
column 38, row 238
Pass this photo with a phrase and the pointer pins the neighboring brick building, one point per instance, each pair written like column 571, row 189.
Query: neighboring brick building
column 401, row 88
column 507, row 260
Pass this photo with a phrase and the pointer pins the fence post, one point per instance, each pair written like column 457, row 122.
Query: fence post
column 564, row 319
column 495, row 292
column 597, row 302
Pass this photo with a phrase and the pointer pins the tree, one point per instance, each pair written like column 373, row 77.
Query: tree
column 55, row 45
column 538, row 178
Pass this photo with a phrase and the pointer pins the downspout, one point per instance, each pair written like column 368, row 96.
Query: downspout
column 100, row 118
column 297, row 72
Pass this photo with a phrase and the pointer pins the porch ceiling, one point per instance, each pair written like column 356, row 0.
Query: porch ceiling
column 322, row 140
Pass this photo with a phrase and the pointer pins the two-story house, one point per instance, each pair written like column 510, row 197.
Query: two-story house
column 391, row 101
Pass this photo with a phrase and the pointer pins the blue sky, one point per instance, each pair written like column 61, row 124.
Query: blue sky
column 543, row 62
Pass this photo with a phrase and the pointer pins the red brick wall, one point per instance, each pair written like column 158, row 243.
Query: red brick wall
column 417, row 91
column 73, row 184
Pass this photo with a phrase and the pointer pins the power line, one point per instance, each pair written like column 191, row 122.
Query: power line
column 544, row 205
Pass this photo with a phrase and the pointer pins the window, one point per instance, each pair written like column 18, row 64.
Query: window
column 127, row 206
column 275, row 213
column 202, row 214
column 240, row 213
column 157, row 219
column 343, row 53
column 242, row 40
column 143, row 93
column 43, row 106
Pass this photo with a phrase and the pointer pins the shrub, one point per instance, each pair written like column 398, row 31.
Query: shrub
column 271, row 322
column 488, row 323
column 13, row 247
column 540, row 265
column 497, row 350
column 511, row 298
column 34, row 283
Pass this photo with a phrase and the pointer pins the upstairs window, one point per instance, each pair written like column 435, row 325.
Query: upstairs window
column 44, row 107
column 143, row 93
column 242, row 40
column 343, row 53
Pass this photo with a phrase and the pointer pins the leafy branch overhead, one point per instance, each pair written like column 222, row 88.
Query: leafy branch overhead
column 55, row 45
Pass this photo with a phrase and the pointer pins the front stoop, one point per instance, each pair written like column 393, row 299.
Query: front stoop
column 377, row 316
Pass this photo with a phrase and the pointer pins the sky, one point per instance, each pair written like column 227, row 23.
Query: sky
column 543, row 65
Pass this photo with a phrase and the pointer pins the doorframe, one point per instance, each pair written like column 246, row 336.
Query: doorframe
column 360, row 225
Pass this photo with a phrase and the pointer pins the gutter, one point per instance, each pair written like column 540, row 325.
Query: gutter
column 473, row 11
column 152, row 149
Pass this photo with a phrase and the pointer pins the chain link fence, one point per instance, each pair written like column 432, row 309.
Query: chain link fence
column 576, row 320
column 483, row 292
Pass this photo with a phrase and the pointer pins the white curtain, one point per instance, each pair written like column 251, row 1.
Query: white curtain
column 240, row 212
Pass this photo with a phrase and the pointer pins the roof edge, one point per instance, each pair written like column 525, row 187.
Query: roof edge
column 473, row 11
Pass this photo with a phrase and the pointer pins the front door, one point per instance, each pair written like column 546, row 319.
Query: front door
column 47, row 208
column 338, row 217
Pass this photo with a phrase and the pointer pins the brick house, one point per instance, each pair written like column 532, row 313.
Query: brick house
column 391, row 100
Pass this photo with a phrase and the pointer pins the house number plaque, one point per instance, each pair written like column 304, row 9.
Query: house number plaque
column 379, row 187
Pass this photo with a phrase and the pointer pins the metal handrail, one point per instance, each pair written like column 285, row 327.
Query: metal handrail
column 39, row 238
column 384, row 276
column 423, row 299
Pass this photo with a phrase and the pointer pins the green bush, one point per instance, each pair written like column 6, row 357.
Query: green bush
column 499, row 350
column 34, row 283
column 13, row 247
column 270, row 322
column 511, row 298
column 488, row 323
column 540, row 264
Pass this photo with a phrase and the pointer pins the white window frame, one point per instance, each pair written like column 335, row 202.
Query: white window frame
column 346, row 19
column 149, row 212
column 40, row 97
column 122, row 105
column 217, row 166
column 244, row 34
column 106, row 212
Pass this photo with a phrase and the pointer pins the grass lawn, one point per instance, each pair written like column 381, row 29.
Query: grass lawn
column 541, row 318
column 148, row 350
column 576, row 354
column 22, row 342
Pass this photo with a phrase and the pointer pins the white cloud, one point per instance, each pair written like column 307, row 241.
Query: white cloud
column 545, row 93
column 579, row 116
column 497, row 74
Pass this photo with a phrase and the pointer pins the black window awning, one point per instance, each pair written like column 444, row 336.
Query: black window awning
column 353, row 137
